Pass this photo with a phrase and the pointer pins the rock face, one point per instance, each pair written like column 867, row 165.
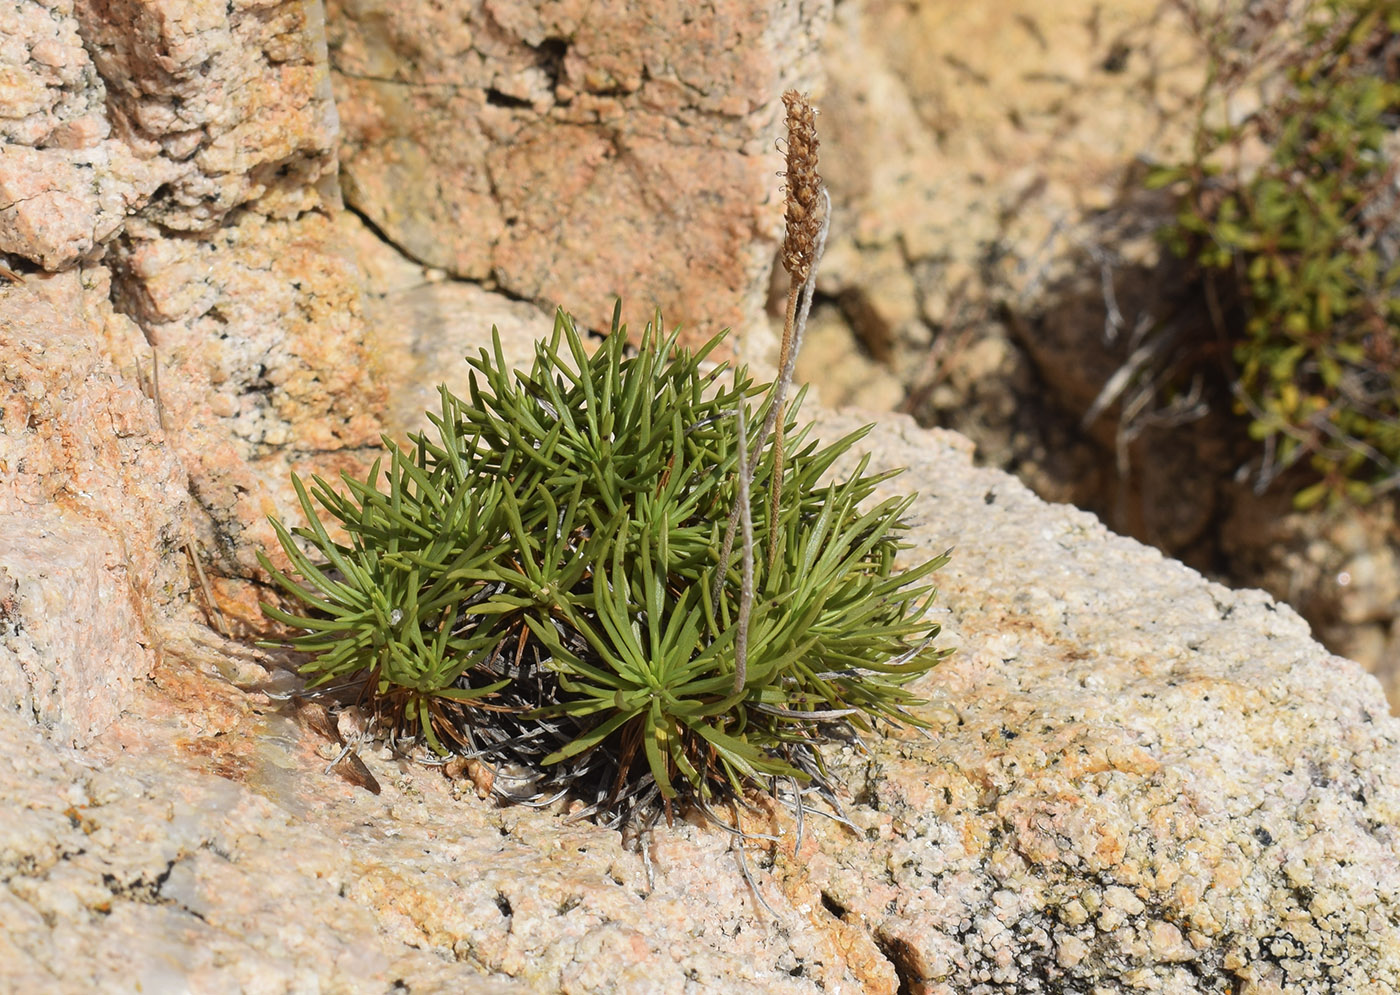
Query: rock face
column 983, row 160
column 572, row 152
column 1148, row 788
column 93, row 507
column 182, row 154
column 178, row 111
column 1134, row 778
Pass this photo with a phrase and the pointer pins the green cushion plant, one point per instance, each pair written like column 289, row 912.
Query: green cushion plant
column 542, row 580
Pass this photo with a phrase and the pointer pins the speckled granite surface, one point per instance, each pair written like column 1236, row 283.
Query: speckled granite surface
column 1136, row 780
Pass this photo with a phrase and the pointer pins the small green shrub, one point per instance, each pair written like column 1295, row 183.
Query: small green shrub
column 536, row 583
column 1297, row 251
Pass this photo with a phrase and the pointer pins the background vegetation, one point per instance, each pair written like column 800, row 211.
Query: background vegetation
column 1288, row 211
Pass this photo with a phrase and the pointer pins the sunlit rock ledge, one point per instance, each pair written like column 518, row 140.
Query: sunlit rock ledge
column 1134, row 779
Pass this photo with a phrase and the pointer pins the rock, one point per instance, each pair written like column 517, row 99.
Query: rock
column 423, row 326
column 977, row 150
column 192, row 146
column 236, row 95
column 64, row 186
column 94, row 515
column 1337, row 565
column 650, row 127
column 971, row 155
column 49, row 82
column 70, row 669
column 845, row 378
column 1133, row 776
column 56, row 205
column 177, row 110
column 1127, row 751
column 958, row 132
column 260, row 335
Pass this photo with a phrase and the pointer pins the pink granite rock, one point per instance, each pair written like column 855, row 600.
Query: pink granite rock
column 259, row 332
column 176, row 109
column 93, row 507
column 73, row 640
column 138, row 122
column 1134, row 778
column 236, row 94
column 56, row 205
column 48, row 88
column 650, row 125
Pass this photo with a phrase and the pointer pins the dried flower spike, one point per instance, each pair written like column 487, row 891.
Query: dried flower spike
column 804, row 212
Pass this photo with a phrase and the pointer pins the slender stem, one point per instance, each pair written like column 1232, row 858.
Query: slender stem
column 155, row 388
column 792, row 345
column 775, row 482
column 741, row 638
column 793, row 331
column 220, row 622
